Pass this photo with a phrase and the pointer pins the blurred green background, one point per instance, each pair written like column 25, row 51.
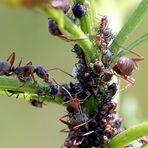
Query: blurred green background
column 26, row 32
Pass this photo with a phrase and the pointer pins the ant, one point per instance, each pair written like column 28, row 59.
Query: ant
column 6, row 66
column 125, row 66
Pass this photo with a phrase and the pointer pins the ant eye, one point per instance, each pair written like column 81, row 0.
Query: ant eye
column 79, row 10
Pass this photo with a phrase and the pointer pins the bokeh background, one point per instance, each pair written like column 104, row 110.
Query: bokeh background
column 26, row 32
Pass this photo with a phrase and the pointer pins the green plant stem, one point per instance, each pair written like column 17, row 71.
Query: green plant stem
column 28, row 90
column 93, row 14
column 131, row 24
column 74, row 31
column 129, row 135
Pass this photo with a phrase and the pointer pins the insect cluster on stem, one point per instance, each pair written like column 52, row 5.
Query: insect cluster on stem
column 91, row 117
column 95, row 82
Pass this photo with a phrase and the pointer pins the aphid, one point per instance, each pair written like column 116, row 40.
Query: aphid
column 42, row 73
column 53, row 28
column 106, row 57
column 107, row 36
column 53, row 90
column 98, row 67
column 112, row 89
column 98, row 40
column 106, row 76
column 23, row 72
column 144, row 140
column 117, row 122
column 6, row 66
column 103, row 24
column 105, row 139
column 61, row 5
column 125, row 66
column 78, row 50
column 36, row 103
column 109, row 107
column 89, row 79
column 103, row 123
column 103, row 46
column 79, row 10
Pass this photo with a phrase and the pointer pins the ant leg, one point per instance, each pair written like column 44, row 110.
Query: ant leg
column 20, row 62
column 11, row 58
column 29, row 63
column 21, row 80
column 82, row 124
column 8, row 94
column 65, row 122
column 8, row 74
column 61, row 71
column 32, row 76
column 140, row 58
column 64, row 130
column 129, row 80
column 88, row 133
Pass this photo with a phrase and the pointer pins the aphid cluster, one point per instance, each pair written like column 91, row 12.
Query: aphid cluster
column 96, row 127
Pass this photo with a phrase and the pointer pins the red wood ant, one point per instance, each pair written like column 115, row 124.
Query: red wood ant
column 6, row 66
column 125, row 66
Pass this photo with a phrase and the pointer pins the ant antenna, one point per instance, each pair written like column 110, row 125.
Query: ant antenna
column 61, row 71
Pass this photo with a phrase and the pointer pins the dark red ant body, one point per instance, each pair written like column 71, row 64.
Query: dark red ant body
column 6, row 66
column 42, row 73
column 73, row 106
column 125, row 66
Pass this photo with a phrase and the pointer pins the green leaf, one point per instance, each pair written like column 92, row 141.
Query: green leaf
column 134, row 44
column 131, row 24
column 138, row 41
column 129, row 135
